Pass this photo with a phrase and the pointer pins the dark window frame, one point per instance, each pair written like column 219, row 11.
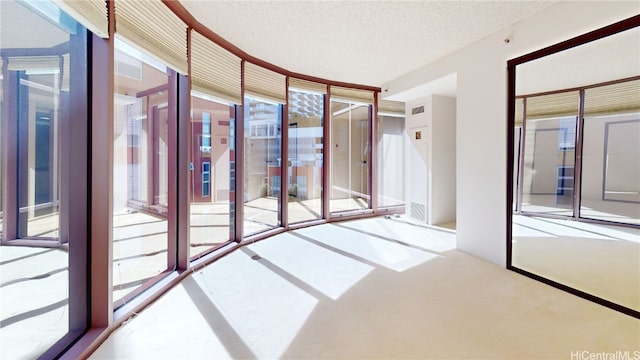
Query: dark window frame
column 600, row 33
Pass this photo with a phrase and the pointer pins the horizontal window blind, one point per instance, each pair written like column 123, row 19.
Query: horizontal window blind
column 214, row 70
column 152, row 26
column 55, row 64
column 34, row 63
column 305, row 85
column 90, row 13
column 265, row 83
column 519, row 112
column 611, row 99
column 352, row 94
column 391, row 107
column 66, row 72
column 553, row 105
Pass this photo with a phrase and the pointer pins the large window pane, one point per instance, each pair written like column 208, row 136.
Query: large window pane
column 304, row 167
column 211, row 156
column 262, row 157
column 43, row 65
column 140, row 174
column 549, row 154
column 391, row 164
column 349, row 156
column 611, row 168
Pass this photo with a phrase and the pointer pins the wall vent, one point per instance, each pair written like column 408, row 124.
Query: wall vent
column 418, row 211
column 417, row 110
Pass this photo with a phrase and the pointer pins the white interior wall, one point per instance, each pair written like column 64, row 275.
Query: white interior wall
column 482, row 112
column 391, row 135
column 443, row 159
column 417, row 172
column 438, row 185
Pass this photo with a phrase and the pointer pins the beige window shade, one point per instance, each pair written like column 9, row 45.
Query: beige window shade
column 265, row 83
column 391, row 107
column 299, row 84
column 352, row 94
column 519, row 112
column 34, row 63
column 155, row 28
column 66, row 72
column 610, row 99
column 553, row 105
column 214, row 70
column 55, row 64
column 90, row 13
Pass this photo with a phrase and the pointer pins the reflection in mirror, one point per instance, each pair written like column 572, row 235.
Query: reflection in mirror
column 576, row 180
column 349, row 151
column 42, row 69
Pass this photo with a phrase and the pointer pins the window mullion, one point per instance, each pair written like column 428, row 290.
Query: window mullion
column 577, row 180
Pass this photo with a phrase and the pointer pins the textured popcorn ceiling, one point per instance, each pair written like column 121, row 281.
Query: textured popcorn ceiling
column 364, row 42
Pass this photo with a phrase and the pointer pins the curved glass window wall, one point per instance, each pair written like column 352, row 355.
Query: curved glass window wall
column 284, row 176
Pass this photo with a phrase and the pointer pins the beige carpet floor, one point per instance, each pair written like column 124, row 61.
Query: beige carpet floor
column 373, row 288
column 602, row 260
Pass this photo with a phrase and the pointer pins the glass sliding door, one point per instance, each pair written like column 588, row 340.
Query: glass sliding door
column 304, row 166
column 38, row 152
column 262, row 164
column 211, row 156
column 349, row 156
column 549, row 154
column 141, row 168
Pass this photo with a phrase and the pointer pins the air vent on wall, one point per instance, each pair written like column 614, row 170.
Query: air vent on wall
column 417, row 110
column 418, row 211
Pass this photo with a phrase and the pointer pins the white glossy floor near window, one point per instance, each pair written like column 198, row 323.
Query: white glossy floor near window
column 34, row 310
column 371, row 288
